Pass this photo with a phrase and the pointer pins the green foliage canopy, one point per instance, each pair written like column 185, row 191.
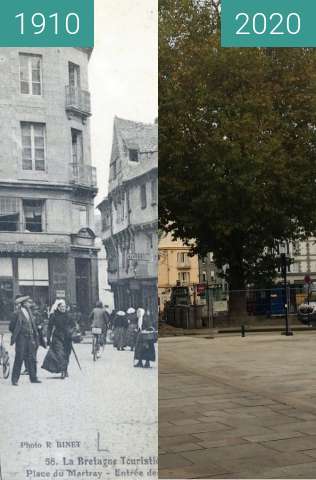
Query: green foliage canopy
column 237, row 142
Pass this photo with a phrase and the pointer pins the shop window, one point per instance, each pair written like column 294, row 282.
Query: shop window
column 143, row 196
column 34, row 279
column 9, row 214
column 33, row 215
column 33, row 271
column 33, row 146
column 30, row 74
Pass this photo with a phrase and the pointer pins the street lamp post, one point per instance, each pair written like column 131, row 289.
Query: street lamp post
column 284, row 264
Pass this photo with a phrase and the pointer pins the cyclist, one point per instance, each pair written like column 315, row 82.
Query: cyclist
column 100, row 320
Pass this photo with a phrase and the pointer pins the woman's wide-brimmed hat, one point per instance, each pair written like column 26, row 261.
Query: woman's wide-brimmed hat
column 22, row 299
column 120, row 313
column 131, row 310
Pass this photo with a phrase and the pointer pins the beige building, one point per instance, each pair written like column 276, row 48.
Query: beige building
column 175, row 265
column 47, row 182
column 130, row 215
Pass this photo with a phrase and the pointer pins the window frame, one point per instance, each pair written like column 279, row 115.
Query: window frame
column 143, row 196
column 29, row 81
column 77, row 75
column 43, row 215
column 154, row 191
column 79, row 134
column 33, row 147
column 131, row 152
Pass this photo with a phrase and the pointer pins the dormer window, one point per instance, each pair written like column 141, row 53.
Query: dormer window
column 133, row 155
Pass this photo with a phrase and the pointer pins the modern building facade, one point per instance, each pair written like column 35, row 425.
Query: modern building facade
column 175, row 266
column 130, row 215
column 47, row 183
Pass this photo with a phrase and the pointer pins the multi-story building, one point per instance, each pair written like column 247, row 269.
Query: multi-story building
column 130, row 217
column 176, row 266
column 47, row 183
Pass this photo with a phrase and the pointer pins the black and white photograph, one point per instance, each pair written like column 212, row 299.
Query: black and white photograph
column 78, row 253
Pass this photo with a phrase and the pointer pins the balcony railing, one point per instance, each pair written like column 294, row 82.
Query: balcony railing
column 78, row 101
column 83, row 175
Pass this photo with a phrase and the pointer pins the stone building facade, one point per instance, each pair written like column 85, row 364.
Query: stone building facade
column 47, row 183
column 176, row 266
column 130, row 216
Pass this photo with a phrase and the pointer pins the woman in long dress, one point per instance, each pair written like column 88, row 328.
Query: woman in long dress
column 59, row 340
column 132, row 329
column 120, row 329
column 145, row 342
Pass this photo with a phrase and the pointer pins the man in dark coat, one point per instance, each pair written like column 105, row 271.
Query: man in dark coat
column 25, row 337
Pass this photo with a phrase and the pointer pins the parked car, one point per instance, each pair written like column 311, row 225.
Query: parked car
column 306, row 313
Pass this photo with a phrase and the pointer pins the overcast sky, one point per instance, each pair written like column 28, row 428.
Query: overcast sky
column 123, row 73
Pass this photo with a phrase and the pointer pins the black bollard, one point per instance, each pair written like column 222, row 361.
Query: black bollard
column 243, row 331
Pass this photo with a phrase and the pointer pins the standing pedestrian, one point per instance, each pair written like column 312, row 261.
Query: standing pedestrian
column 132, row 328
column 145, row 342
column 25, row 337
column 120, row 329
column 59, row 339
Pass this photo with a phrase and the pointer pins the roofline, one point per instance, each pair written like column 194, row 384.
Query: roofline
column 88, row 51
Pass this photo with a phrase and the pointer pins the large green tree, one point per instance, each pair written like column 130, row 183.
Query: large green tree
column 237, row 142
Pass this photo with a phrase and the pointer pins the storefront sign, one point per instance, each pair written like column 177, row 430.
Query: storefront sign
column 32, row 248
column 60, row 294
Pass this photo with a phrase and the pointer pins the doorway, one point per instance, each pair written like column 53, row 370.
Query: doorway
column 83, row 284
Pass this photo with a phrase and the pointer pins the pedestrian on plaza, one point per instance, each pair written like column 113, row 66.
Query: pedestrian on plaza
column 100, row 319
column 61, row 328
column 39, row 322
column 39, row 318
column 132, row 329
column 145, row 342
column 26, row 340
column 120, row 329
column 112, row 319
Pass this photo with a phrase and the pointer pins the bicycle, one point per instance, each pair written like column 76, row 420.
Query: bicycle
column 96, row 342
column 4, row 359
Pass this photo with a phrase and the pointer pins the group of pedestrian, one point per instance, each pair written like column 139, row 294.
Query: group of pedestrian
column 131, row 329
column 134, row 329
column 27, row 327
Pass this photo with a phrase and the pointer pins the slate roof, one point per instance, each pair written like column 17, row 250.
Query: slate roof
column 141, row 136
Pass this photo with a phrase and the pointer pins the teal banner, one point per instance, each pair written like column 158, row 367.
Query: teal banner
column 48, row 23
column 268, row 23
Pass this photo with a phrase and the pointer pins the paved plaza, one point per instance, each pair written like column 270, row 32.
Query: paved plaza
column 109, row 407
column 233, row 407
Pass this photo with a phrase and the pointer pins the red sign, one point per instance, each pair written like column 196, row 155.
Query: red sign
column 200, row 288
column 307, row 279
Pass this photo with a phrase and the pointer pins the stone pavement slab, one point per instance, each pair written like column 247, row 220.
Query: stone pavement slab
column 246, row 408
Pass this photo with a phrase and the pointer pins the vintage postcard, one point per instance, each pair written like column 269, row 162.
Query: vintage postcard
column 78, row 250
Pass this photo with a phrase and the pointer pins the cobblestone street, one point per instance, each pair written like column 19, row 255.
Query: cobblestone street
column 232, row 407
column 109, row 411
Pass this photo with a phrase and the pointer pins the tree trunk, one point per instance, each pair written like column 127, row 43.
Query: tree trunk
column 237, row 308
column 237, row 304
